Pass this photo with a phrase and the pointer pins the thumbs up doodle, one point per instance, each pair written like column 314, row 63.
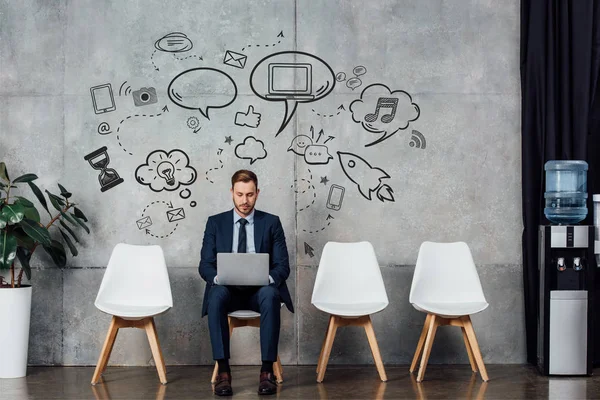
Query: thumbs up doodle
column 250, row 118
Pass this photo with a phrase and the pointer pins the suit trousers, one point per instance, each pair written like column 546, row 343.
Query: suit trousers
column 263, row 299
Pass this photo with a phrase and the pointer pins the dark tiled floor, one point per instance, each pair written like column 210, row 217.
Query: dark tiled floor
column 361, row 382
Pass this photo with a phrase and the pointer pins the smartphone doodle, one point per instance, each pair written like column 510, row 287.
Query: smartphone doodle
column 336, row 196
column 102, row 98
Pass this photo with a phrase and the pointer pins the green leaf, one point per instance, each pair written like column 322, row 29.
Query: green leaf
column 69, row 243
column 32, row 213
column 80, row 214
column 3, row 221
column 57, row 251
column 64, row 192
column 56, row 201
column 22, row 239
column 24, row 201
column 40, row 196
column 35, row 231
column 4, row 172
column 68, row 218
column 8, row 249
column 13, row 213
column 80, row 222
column 25, row 178
column 24, row 256
column 68, row 228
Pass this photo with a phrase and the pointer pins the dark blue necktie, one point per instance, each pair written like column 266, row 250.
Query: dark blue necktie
column 242, row 236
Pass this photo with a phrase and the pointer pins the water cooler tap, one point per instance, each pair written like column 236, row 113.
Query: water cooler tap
column 560, row 264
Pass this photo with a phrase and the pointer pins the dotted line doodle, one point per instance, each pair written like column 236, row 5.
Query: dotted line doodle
column 326, row 115
column 318, row 230
column 152, row 59
column 207, row 178
column 131, row 116
column 310, row 186
column 258, row 45
column 148, row 231
column 185, row 58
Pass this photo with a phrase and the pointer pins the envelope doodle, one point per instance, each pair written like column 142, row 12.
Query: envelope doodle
column 144, row 222
column 175, row 215
column 234, row 59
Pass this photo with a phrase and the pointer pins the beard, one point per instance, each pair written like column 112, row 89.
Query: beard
column 244, row 210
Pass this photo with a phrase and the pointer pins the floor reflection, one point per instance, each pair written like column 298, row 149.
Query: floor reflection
column 567, row 388
column 101, row 391
column 375, row 391
column 474, row 391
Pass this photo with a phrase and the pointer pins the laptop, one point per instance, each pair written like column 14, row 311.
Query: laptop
column 243, row 269
column 290, row 81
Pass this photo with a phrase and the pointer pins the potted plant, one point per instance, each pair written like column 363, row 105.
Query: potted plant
column 21, row 233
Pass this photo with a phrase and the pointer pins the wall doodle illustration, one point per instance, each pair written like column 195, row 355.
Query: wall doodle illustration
column 220, row 166
column 185, row 193
column 99, row 160
column 194, row 124
column 228, row 140
column 340, row 109
column 313, row 154
column 104, row 128
column 324, row 180
column 309, row 250
column 125, row 92
column 144, row 96
column 265, row 45
column 367, row 178
column 251, row 149
column 250, row 118
column 103, row 99
column 291, row 77
column 166, row 171
column 335, row 198
column 174, row 42
column 164, row 110
column 354, row 82
column 234, row 59
column 175, row 215
column 172, row 216
column 417, row 140
column 184, row 88
column 380, row 110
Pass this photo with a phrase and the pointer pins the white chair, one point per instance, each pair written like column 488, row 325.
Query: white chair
column 238, row 319
column 135, row 288
column 446, row 286
column 349, row 286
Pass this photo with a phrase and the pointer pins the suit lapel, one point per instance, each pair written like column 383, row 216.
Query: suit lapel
column 228, row 229
column 259, row 228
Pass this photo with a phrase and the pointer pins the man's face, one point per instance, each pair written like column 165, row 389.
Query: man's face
column 244, row 196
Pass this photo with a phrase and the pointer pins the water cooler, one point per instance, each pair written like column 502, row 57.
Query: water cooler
column 567, row 267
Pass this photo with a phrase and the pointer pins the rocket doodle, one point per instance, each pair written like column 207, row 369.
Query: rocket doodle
column 367, row 178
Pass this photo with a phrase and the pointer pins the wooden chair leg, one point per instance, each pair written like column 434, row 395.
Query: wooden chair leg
column 433, row 324
column 232, row 322
column 323, row 345
column 327, row 350
column 469, row 350
column 368, row 325
column 475, row 346
column 156, row 352
column 278, row 370
column 213, row 379
column 106, row 350
column 420, row 344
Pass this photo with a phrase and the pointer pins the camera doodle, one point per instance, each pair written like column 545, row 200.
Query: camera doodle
column 166, row 171
column 144, row 96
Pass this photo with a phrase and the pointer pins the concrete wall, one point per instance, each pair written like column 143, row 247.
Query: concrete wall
column 452, row 168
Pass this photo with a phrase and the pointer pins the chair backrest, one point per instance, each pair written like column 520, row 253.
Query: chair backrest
column 349, row 273
column 136, row 275
column 445, row 272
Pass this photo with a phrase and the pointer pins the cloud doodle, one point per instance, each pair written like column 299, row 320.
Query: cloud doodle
column 251, row 149
column 166, row 171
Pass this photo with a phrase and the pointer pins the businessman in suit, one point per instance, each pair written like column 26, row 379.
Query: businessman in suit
column 245, row 229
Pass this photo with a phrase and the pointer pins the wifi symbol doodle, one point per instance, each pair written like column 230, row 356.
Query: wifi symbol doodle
column 417, row 140
column 127, row 89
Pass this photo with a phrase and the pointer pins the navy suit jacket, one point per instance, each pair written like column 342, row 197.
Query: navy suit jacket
column 268, row 238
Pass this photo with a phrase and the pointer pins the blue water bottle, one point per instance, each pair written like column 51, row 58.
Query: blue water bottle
column 566, row 191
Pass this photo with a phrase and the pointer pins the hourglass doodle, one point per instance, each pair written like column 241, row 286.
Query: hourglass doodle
column 108, row 177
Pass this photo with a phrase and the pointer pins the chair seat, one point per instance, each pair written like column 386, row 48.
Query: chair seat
column 351, row 310
column 451, row 310
column 127, row 311
column 244, row 314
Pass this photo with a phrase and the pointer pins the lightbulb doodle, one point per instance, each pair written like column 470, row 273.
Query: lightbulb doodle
column 251, row 149
column 398, row 111
column 145, row 222
column 368, row 179
column 166, row 171
column 165, row 109
column 312, row 152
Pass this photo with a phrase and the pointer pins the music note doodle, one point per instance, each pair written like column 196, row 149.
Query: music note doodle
column 384, row 102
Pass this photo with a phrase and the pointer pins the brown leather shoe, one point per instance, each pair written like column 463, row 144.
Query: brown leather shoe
column 223, row 384
column 268, row 383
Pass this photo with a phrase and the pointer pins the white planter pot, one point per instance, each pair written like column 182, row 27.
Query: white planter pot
column 15, row 312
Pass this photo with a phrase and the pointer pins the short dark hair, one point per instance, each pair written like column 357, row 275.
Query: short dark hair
column 244, row 175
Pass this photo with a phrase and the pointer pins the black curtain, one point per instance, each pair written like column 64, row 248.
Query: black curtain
column 560, row 116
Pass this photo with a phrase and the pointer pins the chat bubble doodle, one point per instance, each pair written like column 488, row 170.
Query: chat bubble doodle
column 166, row 171
column 299, row 144
column 359, row 70
column 174, row 42
column 317, row 154
column 381, row 110
column 340, row 76
column 189, row 89
column 353, row 83
column 291, row 77
column 251, row 149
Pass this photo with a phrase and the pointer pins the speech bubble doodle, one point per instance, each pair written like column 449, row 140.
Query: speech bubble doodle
column 353, row 83
column 174, row 42
column 380, row 110
column 340, row 76
column 291, row 77
column 299, row 144
column 359, row 70
column 317, row 154
column 251, row 149
column 188, row 89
